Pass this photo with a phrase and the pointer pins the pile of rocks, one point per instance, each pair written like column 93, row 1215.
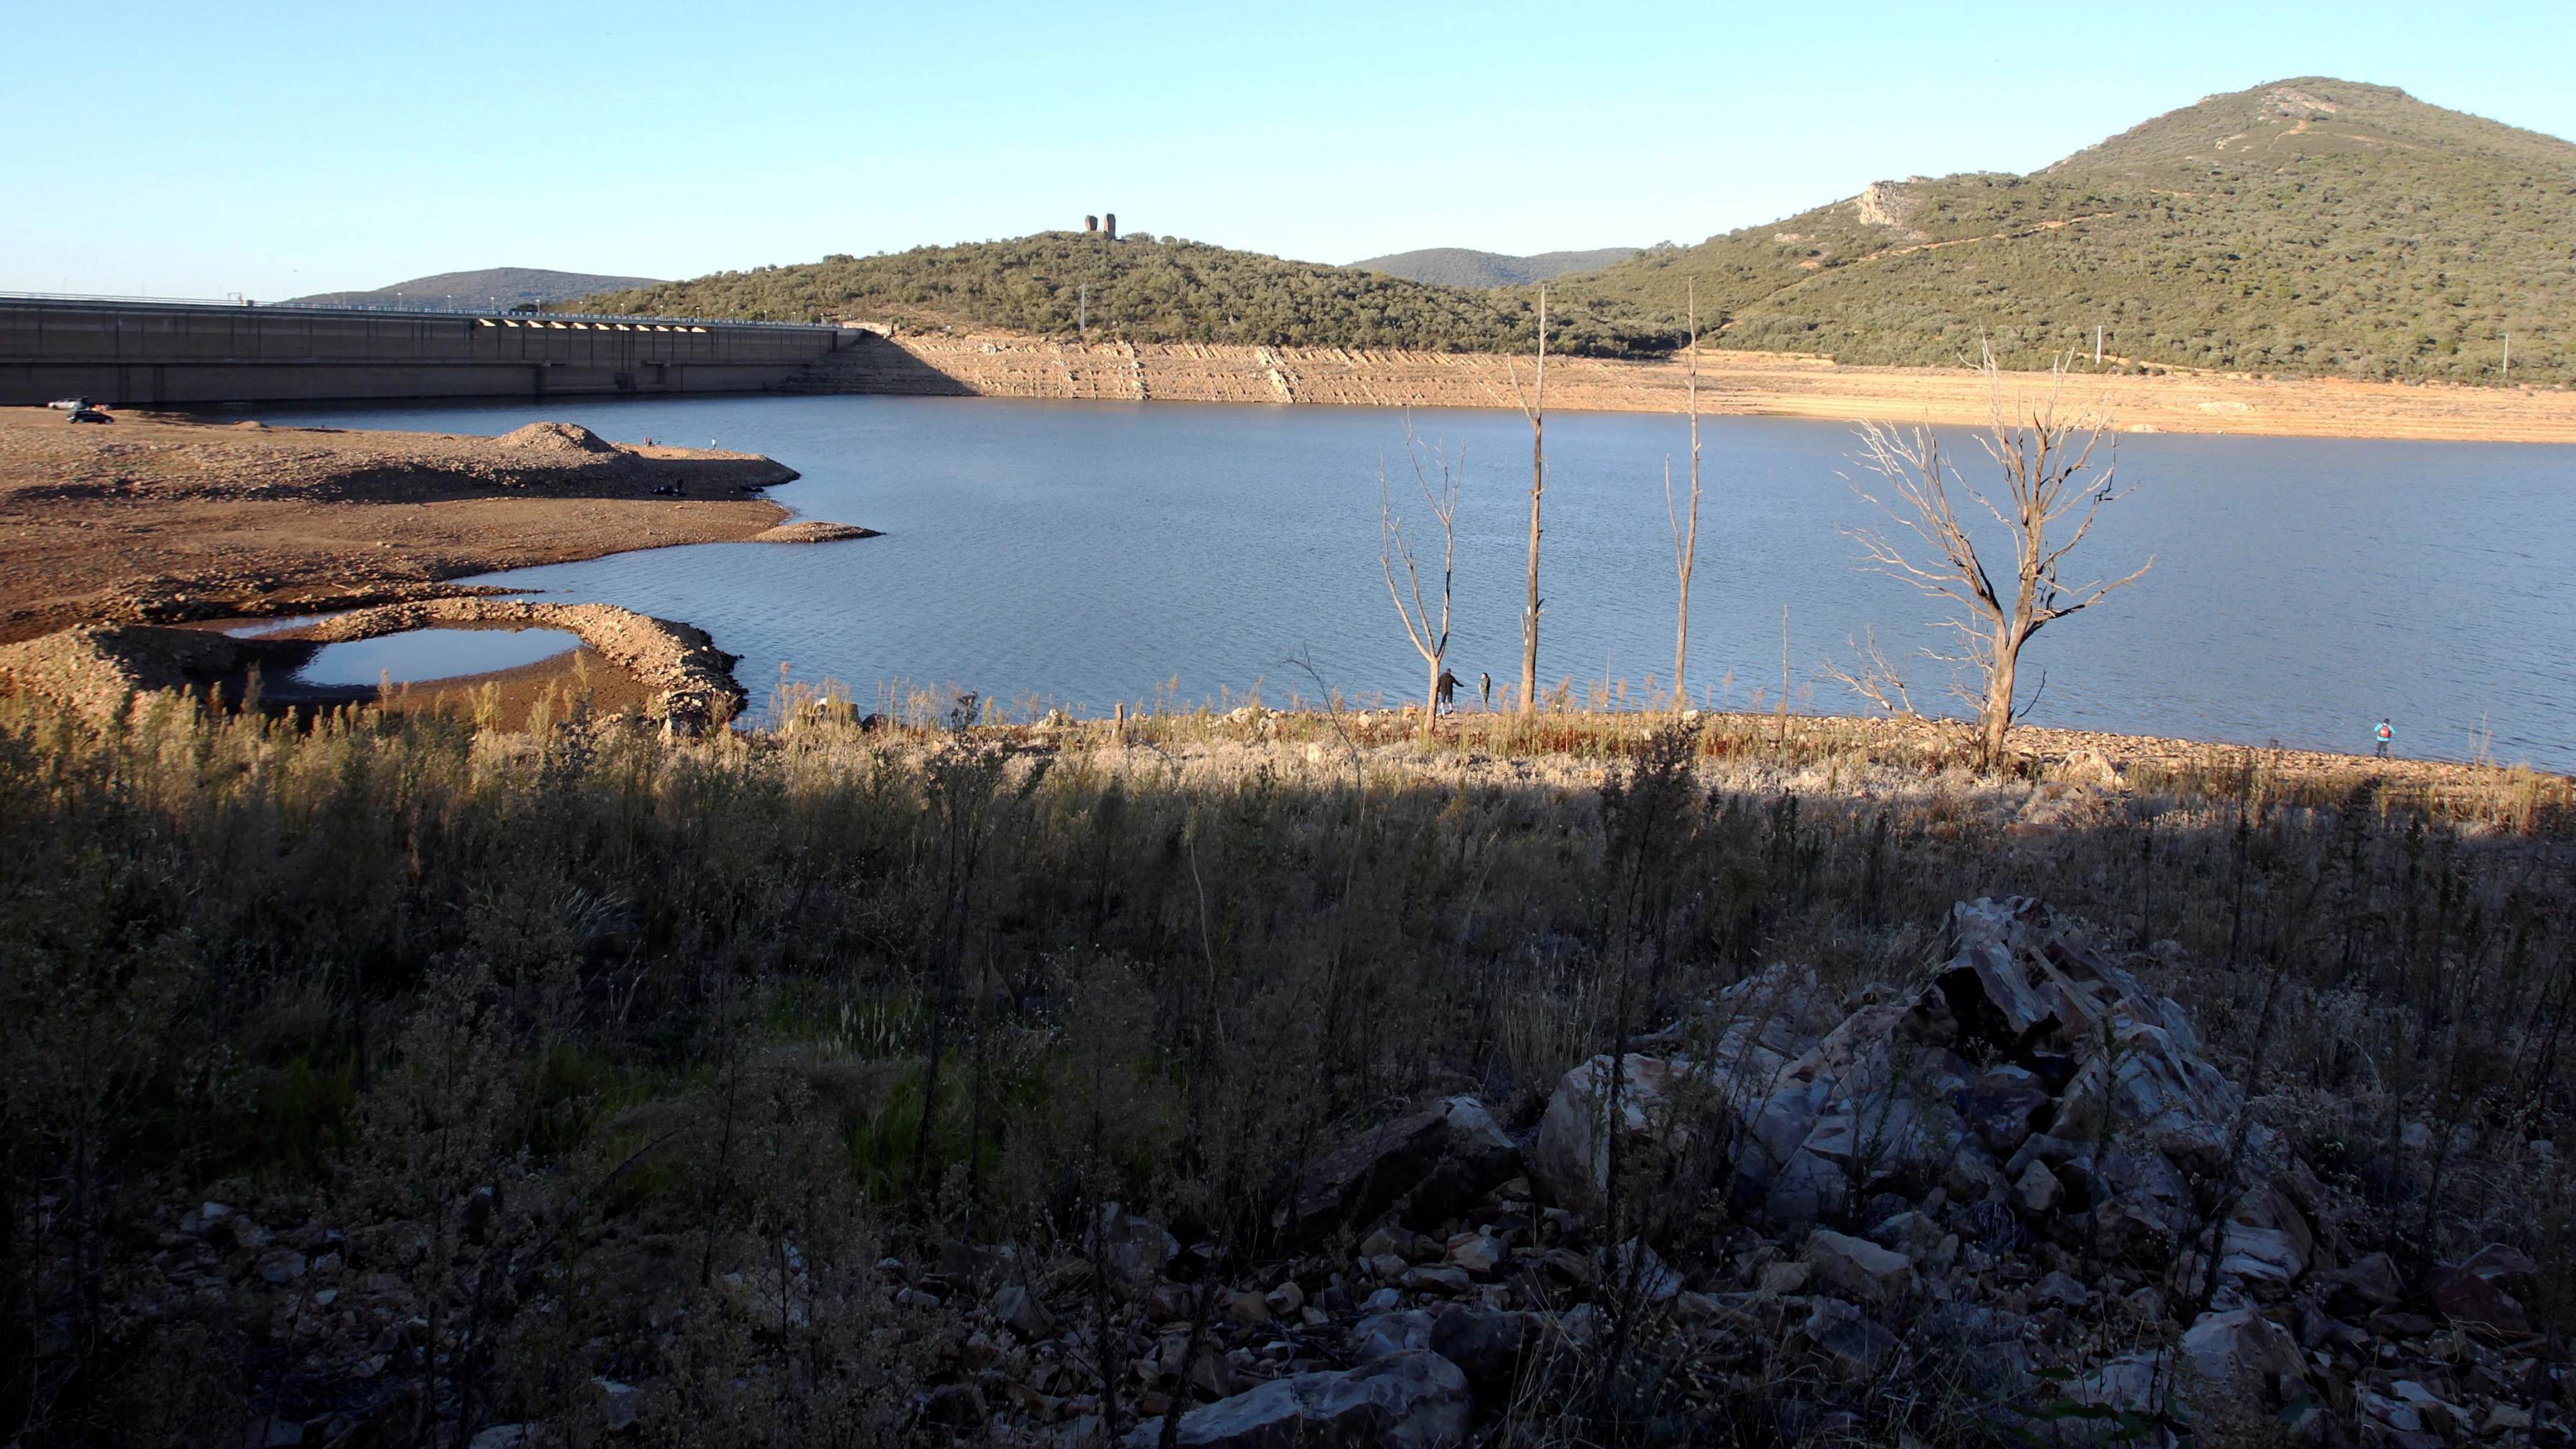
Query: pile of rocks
column 2023, row 1181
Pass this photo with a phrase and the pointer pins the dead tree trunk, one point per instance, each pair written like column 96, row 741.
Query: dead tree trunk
column 1687, row 540
column 1536, row 411
column 1430, row 640
column 2048, row 473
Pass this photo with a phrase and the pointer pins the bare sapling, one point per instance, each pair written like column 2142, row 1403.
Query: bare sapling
column 1686, row 538
column 2045, row 455
column 1430, row 640
column 1534, row 407
column 1874, row 677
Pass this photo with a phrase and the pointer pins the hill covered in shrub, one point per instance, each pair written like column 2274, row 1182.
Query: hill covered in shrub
column 2310, row 227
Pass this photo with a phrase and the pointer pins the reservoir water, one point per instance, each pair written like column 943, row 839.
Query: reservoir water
column 1080, row 554
column 421, row 655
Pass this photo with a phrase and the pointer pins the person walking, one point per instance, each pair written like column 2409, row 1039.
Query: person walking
column 1447, row 695
column 2383, row 734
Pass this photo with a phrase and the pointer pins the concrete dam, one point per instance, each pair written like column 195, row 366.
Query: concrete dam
column 186, row 354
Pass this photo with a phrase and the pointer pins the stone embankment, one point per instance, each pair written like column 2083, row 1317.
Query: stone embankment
column 1001, row 364
column 101, row 670
column 2016, row 1198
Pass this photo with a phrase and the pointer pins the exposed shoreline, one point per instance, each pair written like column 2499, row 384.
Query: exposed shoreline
column 164, row 519
column 985, row 363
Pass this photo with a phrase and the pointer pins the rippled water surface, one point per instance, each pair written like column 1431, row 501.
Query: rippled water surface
column 1087, row 553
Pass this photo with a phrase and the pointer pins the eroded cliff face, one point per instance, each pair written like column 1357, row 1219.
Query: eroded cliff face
column 1004, row 364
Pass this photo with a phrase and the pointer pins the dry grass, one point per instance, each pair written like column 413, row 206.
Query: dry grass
column 772, row 1003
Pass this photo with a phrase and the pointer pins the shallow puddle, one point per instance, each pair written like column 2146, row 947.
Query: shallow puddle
column 426, row 654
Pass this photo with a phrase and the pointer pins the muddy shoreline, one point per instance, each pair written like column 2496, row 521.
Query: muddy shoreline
column 163, row 519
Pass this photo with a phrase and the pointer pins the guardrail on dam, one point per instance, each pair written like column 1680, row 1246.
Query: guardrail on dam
column 148, row 353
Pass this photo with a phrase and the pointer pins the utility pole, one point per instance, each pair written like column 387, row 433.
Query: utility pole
column 2508, row 357
column 2097, row 344
column 1538, row 486
column 1082, row 311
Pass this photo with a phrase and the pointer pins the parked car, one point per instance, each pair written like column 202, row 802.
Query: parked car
column 87, row 414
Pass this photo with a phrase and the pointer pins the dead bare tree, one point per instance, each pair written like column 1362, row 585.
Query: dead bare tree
column 1535, row 409
column 1430, row 640
column 1686, row 541
column 2046, row 458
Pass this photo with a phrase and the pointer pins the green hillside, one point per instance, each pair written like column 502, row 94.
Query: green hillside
column 1144, row 289
column 2314, row 226
column 2309, row 227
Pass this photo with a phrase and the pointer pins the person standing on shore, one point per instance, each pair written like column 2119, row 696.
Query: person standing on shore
column 2383, row 734
column 1485, row 689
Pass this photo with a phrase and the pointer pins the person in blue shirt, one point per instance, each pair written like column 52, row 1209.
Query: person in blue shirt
column 2383, row 734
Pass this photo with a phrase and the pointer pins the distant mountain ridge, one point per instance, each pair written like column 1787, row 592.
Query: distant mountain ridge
column 2311, row 227
column 1459, row 267
column 492, row 289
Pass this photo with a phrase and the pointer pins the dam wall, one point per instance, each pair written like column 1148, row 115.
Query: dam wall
column 178, row 354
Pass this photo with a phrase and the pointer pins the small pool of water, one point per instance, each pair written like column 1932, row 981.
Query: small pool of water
column 426, row 654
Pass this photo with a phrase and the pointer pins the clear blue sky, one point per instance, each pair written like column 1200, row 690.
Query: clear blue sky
column 275, row 149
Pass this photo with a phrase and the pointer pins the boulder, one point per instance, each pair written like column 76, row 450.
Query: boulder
column 1414, row 1400
column 2000, row 1106
column 1383, row 1334
column 1852, row 1346
column 1136, row 1248
column 2242, row 1348
column 1485, row 1343
column 1571, row 1157
column 1857, row 1266
column 2261, row 1255
column 2477, row 1304
column 1020, row 1309
column 1423, row 1167
column 2037, row 1192
column 620, row 1405
column 2507, row 1268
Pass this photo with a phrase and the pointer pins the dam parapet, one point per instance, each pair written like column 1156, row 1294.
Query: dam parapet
column 151, row 353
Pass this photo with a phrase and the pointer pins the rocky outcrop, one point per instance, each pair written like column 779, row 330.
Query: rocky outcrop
column 2029, row 1072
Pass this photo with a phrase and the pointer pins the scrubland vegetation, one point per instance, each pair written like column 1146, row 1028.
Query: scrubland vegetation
column 527, row 1068
column 2314, row 227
